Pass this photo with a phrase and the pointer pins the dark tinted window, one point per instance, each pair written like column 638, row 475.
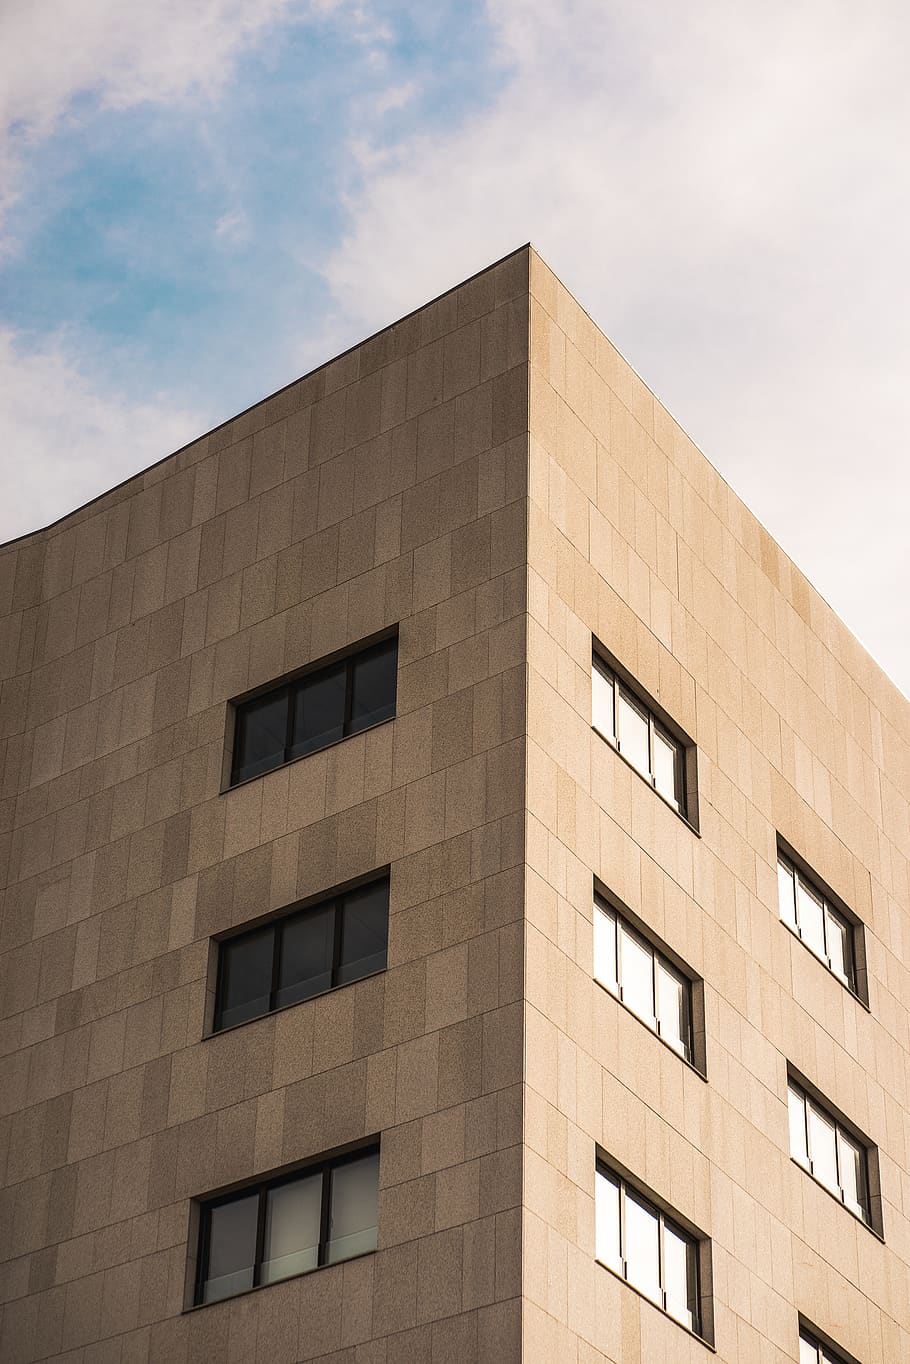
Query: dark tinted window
column 364, row 932
column 339, row 940
column 288, row 1226
column 319, row 710
column 246, row 976
column 374, row 685
column 316, row 710
column 231, row 1257
column 261, row 735
column 307, row 949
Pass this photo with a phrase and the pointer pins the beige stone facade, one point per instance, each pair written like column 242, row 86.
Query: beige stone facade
column 490, row 476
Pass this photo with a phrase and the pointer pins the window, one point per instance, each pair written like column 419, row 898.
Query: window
column 831, row 1154
column 646, row 1248
column 812, row 1351
column 341, row 939
column 286, row 1226
column 315, row 710
column 809, row 913
column 627, row 722
column 628, row 966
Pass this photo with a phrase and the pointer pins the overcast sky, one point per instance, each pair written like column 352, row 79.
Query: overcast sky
column 200, row 201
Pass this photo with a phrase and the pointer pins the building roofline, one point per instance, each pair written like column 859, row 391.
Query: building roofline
column 106, row 492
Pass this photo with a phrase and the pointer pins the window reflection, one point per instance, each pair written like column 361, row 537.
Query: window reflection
column 628, row 723
column 288, row 1226
column 315, row 710
column 833, row 1155
column 642, row 1248
column 646, row 1248
column 232, row 1249
column 293, row 1212
column 629, row 967
column 302, row 954
column 809, row 914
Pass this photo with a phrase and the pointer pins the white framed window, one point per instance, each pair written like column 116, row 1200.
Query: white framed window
column 639, row 1242
column 642, row 978
column 831, row 1154
column 627, row 722
column 808, row 912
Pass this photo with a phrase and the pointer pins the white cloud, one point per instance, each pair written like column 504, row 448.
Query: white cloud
column 726, row 189
column 120, row 54
column 64, row 439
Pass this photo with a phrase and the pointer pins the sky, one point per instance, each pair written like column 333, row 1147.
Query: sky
column 199, row 202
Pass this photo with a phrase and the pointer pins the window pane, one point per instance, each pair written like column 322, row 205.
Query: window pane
column 810, row 911
column 852, row 1163
column 605, row 947
column 307, row 942
column 633, row 734
column 797, row 1107
column 606, row 1219
column 292, row 1220
column 837, row 938
column 679, row 1277
column 641, row 1252
column 808, row 1352
column 319, row 710
column 785, row 893
column 232, row 1248
column 364, row 932
column 822, row 1147
column 375, row 683
column 354, row 1216
column 665, row 766
column 245, row 977
column 672, row 1006
column 602, row 703
column 636, row 975
column 261, row 735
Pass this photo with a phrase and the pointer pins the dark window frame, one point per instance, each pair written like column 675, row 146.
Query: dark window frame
column 700, row 1293
column 279, row 923
column 289, row 686
column 826, row 1351
column 871, row 1215
column 857, row 983
column 323, row 1165
column 685, row 802
column 694, row 1054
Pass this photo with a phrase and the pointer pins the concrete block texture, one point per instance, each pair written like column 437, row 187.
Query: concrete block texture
column 489, row 476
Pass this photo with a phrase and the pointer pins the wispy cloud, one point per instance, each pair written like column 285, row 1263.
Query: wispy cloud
column 727, row 191
column 115, row 55
column 68, row 438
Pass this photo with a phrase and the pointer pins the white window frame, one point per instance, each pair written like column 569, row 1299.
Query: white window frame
column 685, row 1046
column 841, row 1132
column 677, row 801
column 693, row 1256
column 832, row 917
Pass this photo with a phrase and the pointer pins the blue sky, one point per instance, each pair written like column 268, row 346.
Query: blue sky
column 198, row 203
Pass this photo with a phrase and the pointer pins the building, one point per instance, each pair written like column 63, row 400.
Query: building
column 448, row 842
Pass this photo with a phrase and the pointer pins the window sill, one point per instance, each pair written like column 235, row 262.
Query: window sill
column 229, row 785
column 795, row 933
column 283, row 1008
column 690, row 1065
column 260, row 1287
column 651, row 1303
column 650, row 785
column 839, row 1201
